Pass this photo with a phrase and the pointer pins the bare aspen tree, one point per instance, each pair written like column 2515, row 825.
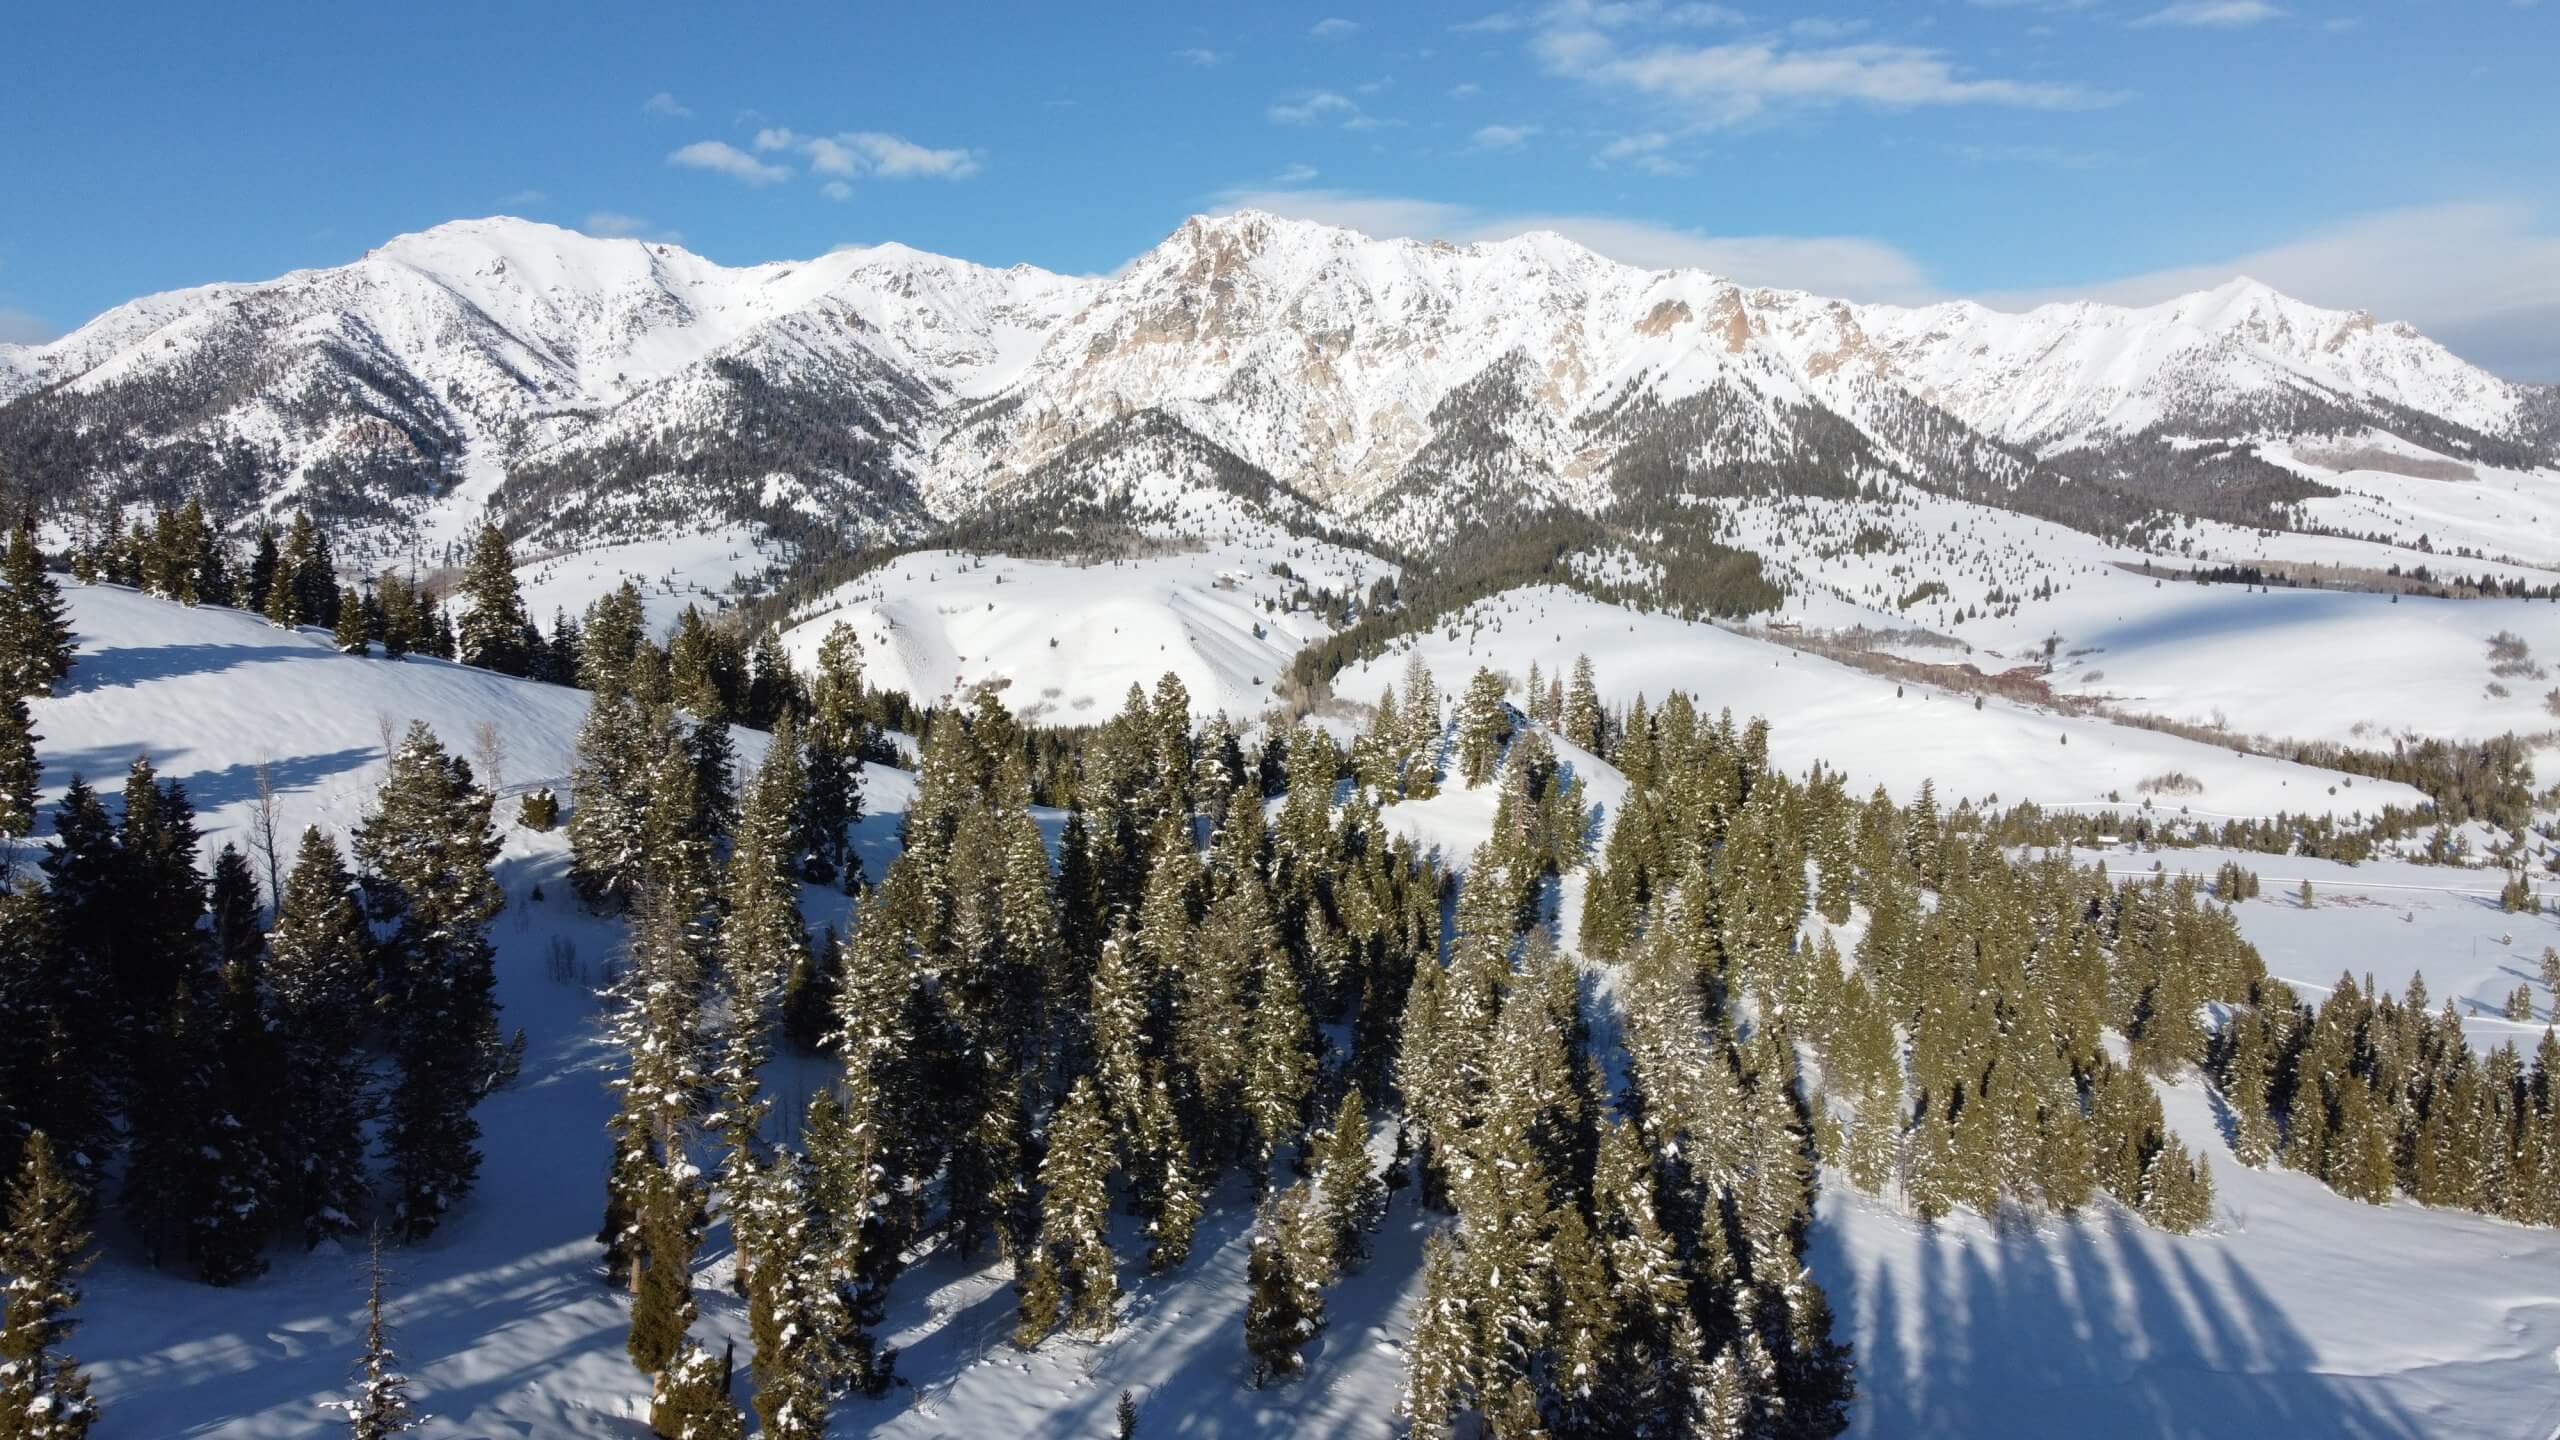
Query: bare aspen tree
column 489, row 752
column 262, row 830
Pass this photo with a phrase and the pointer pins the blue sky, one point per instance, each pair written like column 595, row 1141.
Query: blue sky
column 2393, row 154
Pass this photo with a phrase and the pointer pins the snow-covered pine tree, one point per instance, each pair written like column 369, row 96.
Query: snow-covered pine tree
column 1484, row 725
column 762, row 941
column 318, row 976
column 43, row 1394
column 35, row 631
column 1284, row 1311
column 608, row 861
column 689, row 1399
column 1279, row 1073
column 1585, row 723
column 18, row 767
column 1354, row 1199
column 491, row 634
column 380, row 1407
column 423, row 860
column 1074, row 1245
column 350, row 635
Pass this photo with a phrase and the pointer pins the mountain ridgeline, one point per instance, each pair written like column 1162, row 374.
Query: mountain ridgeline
column 1422, row 400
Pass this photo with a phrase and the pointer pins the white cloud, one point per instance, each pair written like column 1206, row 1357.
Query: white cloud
column 1298, row 174
column 1644, row 151
column 2224, row 14
column 1502, row 137
column 18, row 327
column 854, row 154
column 1321, row 107
column 1334, row 27
column 522, row 197
column 721, row 157
column 1822, row 28
column 614, row 225
column 1465, row 89
column 665, row 107
column 837, row 190
column 1730, row 83
column 1200, row 57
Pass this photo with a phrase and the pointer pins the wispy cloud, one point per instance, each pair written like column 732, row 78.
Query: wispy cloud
column 1334, row 27
column 1321, row 107
column 1731, row 83
column 2222, row 14
column 722, row 158
column 1464, row 89
column 855, row 154
column 1298, row 174
column 522, row 197
column 665, row 107
column 614, row 225
column 1199, row 57
column 1502, row 137
column 1644, row 151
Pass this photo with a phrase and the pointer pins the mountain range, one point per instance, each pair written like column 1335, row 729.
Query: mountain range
column 583, row 390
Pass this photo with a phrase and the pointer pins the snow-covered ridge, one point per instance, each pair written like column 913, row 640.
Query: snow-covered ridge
column 884, row 388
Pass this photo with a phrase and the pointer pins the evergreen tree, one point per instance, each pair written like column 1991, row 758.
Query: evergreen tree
column 43, row 1394
column 424, row 860
column 381, row 1405
column 350, row 636
column 19, row 771
column 690, row 1398
column 1583, row 718
column 317, row 971
column 35, row 631
column 1071, row 1272
column 1354, row 1199
column 493, row 620
column 1484, row 725
column 1284, row 1311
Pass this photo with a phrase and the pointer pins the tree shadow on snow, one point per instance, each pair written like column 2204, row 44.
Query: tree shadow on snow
column 126, row 665
column 2093, row 1327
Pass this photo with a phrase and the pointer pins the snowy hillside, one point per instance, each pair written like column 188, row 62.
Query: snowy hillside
column 2100, row 1324
column 1878, row 731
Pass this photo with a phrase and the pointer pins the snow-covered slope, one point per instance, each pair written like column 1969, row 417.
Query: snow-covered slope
column 1873, row 729
column 2294, row 1313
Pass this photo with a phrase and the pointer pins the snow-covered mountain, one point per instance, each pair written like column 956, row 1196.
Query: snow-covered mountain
column 585, row 389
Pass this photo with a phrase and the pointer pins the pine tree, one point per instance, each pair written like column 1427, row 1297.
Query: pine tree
column 350, row 635
column 424, row 860
column 690, row 1399
column 1583, row 718
column 19, row 771
column 43, row 1394
column 493, row 620
column 381, row 1405
column 1354, row 1199
column 1278, row 1072
column 1484, row 725
column 1071, row 1271
column 35, row 632
column 317, row 972
column 1284, row 1312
